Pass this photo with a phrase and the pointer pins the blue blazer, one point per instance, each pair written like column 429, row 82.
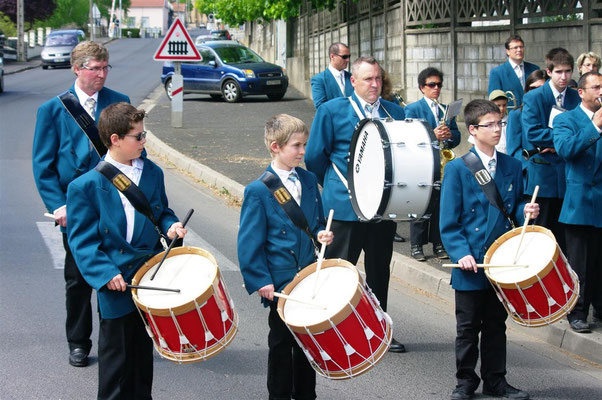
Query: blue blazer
column 514, row 141
column 577, row 141
column 469, row 223
column 271, row 249
column 324, row 87
column 421, row 110
column 96, row 229
column 61, row 150
column 504, row 78
column 545, row 170
column 329, row 141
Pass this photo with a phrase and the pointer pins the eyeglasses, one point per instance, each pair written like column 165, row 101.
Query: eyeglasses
column 597, row 87
column 344, row 56
column 97, row 70
column 140, row 136
column 434, row 84
column 516, row 48
column 492, row 125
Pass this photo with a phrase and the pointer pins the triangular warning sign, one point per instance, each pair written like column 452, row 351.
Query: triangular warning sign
column 177, row 45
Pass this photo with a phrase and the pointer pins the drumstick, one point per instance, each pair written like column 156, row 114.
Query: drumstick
column 527, row 218
column 152, row 288
column 298, row 300
column 321, row 256
column 486, row 266
column 172, row 243
column 49, row 215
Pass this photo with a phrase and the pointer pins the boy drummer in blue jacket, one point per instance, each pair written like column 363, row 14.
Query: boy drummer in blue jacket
column 110, row 240
column 272, row 249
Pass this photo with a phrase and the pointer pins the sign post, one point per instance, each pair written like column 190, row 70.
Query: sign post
column 177, row 47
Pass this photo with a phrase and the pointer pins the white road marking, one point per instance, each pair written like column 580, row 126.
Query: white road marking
column 54, row 242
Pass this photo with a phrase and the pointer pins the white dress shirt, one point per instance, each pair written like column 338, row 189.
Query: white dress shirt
column 294, row 188
column 556, row 93
column 339, row 76
column 133, row 172
column 376, row 105
column 83, row 97
column 590, row 115
column 485, row 158
column 519, row 70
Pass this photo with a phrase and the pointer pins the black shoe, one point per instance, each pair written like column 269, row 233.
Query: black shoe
column 580, row 326
column 417, row 253
column 506, row 391
column 398, row 239
column 461, row 393
column 440, row 252
column 78, row 357
column 397, row 347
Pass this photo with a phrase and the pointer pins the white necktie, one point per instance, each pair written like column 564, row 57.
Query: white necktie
column 342, row 80
column 435, row 111
column 296, row 192
column 521, row 75
column 90, row 105
column 559, row 100
column 491, row 167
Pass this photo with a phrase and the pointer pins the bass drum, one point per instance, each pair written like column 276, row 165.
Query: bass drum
column 393, row 169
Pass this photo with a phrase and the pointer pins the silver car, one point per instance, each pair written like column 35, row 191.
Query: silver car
column 57, row 50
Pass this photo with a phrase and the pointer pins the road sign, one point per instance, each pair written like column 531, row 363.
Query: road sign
column 177, row 45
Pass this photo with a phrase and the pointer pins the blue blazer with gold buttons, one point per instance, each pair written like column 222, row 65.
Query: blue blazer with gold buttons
column 324, row 87
column 96, row 229
column 469, row 223
column 271, row 249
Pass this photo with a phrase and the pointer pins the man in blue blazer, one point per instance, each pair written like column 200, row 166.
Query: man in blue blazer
column 424, row 230
column 110, row 240
column 577, row 141
column 61, row 153
column 511, row 75
column 334, row 81
column 547, row 168
column 328, row 145
column 469, row 225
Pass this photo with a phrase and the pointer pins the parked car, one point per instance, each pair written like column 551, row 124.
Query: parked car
column 1, row 74
column 58, row 46
column 220, row 34
column 231, row 70
column 202, row 39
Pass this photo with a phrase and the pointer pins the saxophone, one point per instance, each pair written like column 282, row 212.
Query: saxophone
column 445, row 153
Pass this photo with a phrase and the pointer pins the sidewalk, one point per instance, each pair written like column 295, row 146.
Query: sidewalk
column 432, row 280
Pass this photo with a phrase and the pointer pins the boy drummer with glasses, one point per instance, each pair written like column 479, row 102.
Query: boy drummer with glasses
column 469, row 225
column 110, row 240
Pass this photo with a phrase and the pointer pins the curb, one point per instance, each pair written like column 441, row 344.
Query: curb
column 406, row 269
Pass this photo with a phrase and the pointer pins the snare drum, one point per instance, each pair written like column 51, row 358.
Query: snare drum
column 393, row 169
column 194, row 324
column 544, row 292
column 351, row 334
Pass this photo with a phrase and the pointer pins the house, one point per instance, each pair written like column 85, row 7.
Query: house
column 152, row 14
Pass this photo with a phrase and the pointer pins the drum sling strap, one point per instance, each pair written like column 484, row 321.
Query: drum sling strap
column 487, row 185
column 287, row 203
column 83, row 120
column 131, row 192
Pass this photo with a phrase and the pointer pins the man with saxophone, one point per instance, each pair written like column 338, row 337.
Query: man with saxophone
column 424, row 230
column 577, row 141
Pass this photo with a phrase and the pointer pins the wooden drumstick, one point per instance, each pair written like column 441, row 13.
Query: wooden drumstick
column 172, row 243
column 49, row 215
column 153, row 288
column 527, row 218
column 321, row 256
column 486, row 266
column 298, row 300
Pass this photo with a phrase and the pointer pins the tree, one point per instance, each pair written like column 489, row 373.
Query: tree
column 35, row 10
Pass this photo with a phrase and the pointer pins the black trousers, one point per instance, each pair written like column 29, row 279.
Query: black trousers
column 549, row 213
column 125, row 359
column 376, row 239
column 289, row 371
column 584, row 252
column 480, row 312
column 79, row 308
column 425, row 230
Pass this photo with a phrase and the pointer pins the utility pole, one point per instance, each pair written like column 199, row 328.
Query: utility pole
column 92, row 25
column 21, row 55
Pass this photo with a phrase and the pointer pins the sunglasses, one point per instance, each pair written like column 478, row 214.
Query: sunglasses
column 345, row 56
column 434, row 84
column 140, row 136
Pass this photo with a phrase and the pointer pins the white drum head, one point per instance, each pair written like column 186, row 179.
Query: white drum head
column 191, row 273
column 336, row 288
column 536, row 251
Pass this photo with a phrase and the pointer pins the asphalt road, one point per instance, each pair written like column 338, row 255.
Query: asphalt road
column 33, row 351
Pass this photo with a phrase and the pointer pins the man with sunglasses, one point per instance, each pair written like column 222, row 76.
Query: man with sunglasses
column 61, row 153
column 334, row 81
column 511, row 75
column 424, row 230
column 577, row 140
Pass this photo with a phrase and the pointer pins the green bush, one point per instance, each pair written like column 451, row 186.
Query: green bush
column 134, row 32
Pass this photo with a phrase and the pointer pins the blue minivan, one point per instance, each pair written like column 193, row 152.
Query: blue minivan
column 229, row 70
